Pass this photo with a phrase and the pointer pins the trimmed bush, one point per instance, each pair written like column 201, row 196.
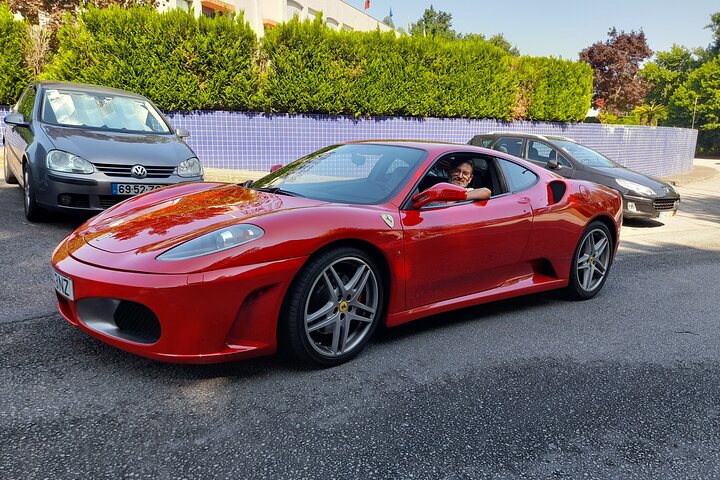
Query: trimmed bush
column 181, row 62
column 173, row 58
column 14, row 76
column 552, row 90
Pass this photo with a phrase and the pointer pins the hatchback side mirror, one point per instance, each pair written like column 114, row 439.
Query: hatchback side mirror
column 553, row 164
column 17, row 119
column 182, row 133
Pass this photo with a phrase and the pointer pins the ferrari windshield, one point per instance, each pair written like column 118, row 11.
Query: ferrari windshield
column 101, row 111
column 585, row 155
column 361, row 173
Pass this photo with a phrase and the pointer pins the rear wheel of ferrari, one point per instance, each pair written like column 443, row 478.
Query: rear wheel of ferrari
column 591, row 262
column 333, row 307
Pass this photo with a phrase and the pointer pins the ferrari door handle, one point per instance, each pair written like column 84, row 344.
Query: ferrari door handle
column 524, row 200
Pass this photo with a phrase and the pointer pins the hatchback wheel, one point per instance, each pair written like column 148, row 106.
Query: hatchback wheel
column 9, row 177
column 32, row 211
column 591, row 262
column 333, row 307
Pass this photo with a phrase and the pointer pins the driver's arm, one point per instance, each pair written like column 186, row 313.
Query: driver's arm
column 479, row 194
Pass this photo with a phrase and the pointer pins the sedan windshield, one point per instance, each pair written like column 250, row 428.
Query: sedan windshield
column 360, row 173
column 585, row 155
column 101, row 111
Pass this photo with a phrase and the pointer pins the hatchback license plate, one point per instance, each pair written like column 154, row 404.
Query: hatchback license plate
column 668, row 214
column 64, row 286
column 133, row 188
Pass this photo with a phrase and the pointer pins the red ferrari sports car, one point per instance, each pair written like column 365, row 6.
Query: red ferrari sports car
column 312, row 257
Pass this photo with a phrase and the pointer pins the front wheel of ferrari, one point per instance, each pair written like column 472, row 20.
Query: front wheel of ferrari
column 591, row 262
column 332, row 307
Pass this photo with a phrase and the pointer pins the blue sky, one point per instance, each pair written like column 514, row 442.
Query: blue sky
column 561, row 28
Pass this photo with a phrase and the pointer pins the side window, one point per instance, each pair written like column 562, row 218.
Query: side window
column 26, row 103
column 510, row 145
column 543, row 153
column 517, row 177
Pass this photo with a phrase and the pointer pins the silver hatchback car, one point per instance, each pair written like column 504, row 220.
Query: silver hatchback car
column 77, row 147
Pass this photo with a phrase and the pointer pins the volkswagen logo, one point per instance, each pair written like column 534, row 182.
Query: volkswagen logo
column 138, row 171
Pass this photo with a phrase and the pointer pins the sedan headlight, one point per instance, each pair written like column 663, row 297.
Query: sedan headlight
column 213, row 242
column 635, row 187
column 190, row 168
column 60, row 161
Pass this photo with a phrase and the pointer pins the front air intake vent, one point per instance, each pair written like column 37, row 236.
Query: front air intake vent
column 137, row 320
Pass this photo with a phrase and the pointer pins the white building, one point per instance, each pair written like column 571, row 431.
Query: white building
column 264, row 14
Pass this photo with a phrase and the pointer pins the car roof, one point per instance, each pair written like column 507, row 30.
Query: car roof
column 527, row 135
column 85, row 87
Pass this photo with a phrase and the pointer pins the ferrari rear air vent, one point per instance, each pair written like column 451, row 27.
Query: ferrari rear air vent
column 556, row 190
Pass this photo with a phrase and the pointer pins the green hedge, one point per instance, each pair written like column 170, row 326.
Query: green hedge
column 552, row 90
column 14, row 76
column 175, row 59
column 181, row 62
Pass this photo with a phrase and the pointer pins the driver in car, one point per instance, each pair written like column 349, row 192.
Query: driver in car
column 462, row 175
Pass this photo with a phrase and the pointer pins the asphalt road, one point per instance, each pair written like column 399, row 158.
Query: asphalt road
column 626, row 385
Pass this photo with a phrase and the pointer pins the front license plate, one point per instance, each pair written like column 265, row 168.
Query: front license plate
column 668, row 214
column 64, row 285
column 132, row 188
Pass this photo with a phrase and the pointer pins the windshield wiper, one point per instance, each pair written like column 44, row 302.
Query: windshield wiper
column 279, row 191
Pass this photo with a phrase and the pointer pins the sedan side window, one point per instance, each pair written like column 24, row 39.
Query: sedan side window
column 510, row 145
column 517, row 177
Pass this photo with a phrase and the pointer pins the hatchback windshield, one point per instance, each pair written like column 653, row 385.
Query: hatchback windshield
column 359, row 173
column 585, row 155
column 101, row 111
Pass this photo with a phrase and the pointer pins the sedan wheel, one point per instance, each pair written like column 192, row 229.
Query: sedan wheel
column 591, row 262
column 333, row 307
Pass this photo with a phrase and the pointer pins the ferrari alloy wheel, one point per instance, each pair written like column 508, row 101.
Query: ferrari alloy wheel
column 591, row 261
column 32, row 211
column 333, row 306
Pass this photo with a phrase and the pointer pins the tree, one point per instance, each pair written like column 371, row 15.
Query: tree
column 616, row 63
column 668, row 72
column 649, row 114
column 434, row 24
column 389, row 21
column 500, row 41
column 713, row 49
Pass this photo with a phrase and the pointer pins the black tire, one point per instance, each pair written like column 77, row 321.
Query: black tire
column 346, row 311
column 591, row 262
column 33, row 212
column 9, row 177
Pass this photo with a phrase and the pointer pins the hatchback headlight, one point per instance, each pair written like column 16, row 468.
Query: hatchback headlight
column 60, row 161
column 190, row 168
column 635, row 187
column 213, row 242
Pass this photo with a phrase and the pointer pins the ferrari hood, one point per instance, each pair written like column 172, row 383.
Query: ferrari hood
column 167, row 217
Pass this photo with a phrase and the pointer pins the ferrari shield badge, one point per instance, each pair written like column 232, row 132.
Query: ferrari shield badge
column 388, row 219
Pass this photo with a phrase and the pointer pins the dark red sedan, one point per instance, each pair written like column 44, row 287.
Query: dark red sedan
column 312, row 257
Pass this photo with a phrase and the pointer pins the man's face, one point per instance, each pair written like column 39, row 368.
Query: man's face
column 461, row 175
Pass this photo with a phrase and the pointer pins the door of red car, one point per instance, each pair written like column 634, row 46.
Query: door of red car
column 464, row 248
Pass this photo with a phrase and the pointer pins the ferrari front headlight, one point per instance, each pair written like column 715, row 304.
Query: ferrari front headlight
column 60, row 161
column 635, row 187
column 213, row 242
column 190, row 168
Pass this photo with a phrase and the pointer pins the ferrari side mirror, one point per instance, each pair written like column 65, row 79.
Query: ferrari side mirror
column 441, row 192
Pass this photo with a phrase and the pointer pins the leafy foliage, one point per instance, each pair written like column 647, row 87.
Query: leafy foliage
column 552, row 89
column 434, row 24
column 615, row 65
column 313, row 68
column 183, row 62
column 14, row 76
column 178, row 61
